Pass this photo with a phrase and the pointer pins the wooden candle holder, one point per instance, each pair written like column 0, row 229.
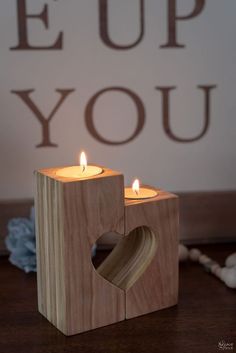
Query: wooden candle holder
column 138, row 277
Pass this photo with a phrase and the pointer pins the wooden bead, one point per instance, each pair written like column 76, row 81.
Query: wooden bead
column 194, row 254
column 183, row 253
column 228, row 276
column 203, row 259
column 231, row 260
column 216, row 270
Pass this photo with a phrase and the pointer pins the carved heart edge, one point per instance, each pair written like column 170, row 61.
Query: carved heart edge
column 130, row 258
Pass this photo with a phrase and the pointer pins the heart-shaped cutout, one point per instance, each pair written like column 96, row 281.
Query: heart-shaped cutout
column 130, row 258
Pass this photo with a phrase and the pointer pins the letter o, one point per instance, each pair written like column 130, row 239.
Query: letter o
column 89, row 115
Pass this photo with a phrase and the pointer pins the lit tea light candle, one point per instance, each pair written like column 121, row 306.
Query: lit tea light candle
column 136, row 192
column 80, row 171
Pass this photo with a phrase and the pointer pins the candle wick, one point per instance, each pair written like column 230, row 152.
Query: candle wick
column 136, row 192
column 83, row 168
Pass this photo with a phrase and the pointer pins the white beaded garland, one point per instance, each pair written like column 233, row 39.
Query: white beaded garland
column 203, row 259
column 226, row 274
column 216, row 270
column 231, row 260
column 183, row 252
column 194, row 254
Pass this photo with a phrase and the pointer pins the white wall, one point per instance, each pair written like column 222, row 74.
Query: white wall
column 87, row 65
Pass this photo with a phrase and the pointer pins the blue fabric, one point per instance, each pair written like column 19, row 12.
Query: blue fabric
column 20, row 241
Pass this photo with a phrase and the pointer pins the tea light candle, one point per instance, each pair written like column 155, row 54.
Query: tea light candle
column 138, row 193
column 80, row 171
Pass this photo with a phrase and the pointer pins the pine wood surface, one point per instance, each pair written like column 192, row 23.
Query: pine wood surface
column 139, row 276
column 72, row 215
column 157, row 288
column 130, row 258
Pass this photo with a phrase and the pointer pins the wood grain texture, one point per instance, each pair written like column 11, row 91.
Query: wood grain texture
column 145, row 262
column 130, row 258
column 135, row 279
column 213, row 221
column 157, row 287
column 71, row 216
column 50, row 251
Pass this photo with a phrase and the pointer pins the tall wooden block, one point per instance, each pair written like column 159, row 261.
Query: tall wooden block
column 71, row 215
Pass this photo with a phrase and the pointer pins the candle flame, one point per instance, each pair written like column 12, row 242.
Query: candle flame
column 135, row 186
column 83, row 161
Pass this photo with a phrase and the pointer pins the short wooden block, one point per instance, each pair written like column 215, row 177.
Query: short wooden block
column 70, row 216
column 139, row 276
column 157, row 287
column 145, row 262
